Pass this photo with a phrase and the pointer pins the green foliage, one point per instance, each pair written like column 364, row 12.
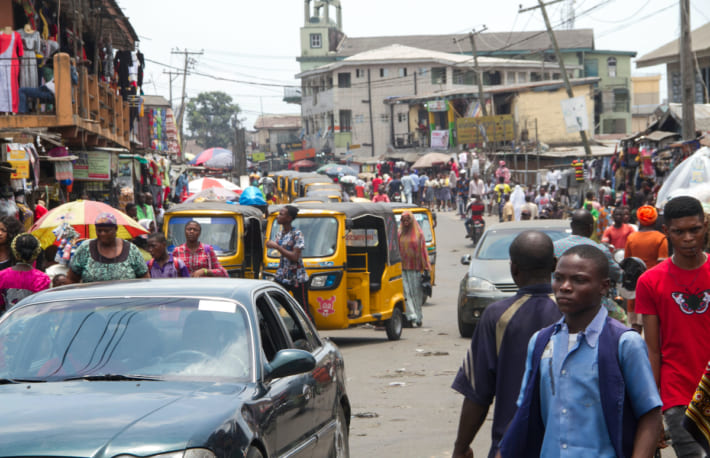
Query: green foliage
column 211, row 117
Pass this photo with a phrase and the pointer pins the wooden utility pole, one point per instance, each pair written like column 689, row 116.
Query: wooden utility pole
column 563, row 70
column 188, row 61
column 687, row 73
column 171, row 79
column 479, row 75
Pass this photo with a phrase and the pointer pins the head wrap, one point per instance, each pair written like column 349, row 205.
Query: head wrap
column 106, row 219
column 501, row 162
column 647, row 215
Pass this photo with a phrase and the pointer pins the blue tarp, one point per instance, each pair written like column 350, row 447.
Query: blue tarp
column 252, row 196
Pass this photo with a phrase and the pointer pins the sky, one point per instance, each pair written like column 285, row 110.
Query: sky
column 258, row 41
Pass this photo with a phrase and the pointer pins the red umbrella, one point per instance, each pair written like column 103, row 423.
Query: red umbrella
column 303, row 163
column 208, row 154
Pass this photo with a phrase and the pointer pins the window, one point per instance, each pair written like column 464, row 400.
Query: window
column 591, row 67
column 343, row 80
column 359, row 73
column 621, row 100
column 438, row 75
column 556, row 76
column 345, row 117
column 385, row 118
column 402, row 72
column 402, row 117
column 316, row 40
column 463, row 76
column 535, row 76
column 510, row 78
column 301, row 333
column 383, row 72
column 522, row 77
column 359, row 119
column 611, row 66
column 422, row 71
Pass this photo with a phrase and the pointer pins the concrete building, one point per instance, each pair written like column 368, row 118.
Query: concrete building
column 669, row 54
column 645, row 98
column 277, row 133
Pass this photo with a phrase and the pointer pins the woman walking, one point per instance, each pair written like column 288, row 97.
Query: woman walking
column 10, row 227
column 291, row 273
column 415, row 260
column 22, row 279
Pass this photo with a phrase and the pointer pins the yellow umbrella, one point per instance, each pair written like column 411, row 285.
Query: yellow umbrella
column 81, row 215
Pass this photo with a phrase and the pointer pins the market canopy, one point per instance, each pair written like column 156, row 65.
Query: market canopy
column 201, row 184
column 430, row 160
column 208, row 154
column 689, row 178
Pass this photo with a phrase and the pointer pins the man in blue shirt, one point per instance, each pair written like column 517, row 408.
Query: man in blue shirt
column 494, row 365
column 588, row 389
column 422, row 184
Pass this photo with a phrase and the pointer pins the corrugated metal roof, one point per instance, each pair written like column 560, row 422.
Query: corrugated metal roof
column 700, row 38
column 702, row 114
column 278, row 122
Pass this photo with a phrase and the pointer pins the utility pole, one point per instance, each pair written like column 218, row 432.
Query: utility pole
column 369, row 105
column 479, row 75
column 563, row 70
column 687, row 74
column 171, row 77
column 181, row 114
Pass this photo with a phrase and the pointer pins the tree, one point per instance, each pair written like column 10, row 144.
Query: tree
column 211, row 119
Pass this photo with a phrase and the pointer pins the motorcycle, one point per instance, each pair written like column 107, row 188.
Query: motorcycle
column 475, row 227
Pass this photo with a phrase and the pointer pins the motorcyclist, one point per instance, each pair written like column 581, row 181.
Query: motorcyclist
column 394, row 188
column 475, row 211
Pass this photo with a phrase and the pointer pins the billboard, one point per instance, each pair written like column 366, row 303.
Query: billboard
column 499, row 128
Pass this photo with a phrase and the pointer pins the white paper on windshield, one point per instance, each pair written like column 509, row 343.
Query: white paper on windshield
column 217, row 306
column 202, row 220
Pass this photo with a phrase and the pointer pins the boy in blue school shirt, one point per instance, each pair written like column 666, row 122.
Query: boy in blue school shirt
column 588, row 388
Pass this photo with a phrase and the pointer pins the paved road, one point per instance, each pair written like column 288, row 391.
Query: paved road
column 401, row 390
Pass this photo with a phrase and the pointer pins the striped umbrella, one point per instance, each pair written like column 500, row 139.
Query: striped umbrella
column 81, row 215
column 201, row 184
column 208, row 154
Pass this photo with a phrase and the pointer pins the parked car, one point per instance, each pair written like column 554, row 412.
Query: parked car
column 198, row 368
column 488, row 278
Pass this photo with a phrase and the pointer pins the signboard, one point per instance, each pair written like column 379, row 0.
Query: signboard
column 574, row 111
column 258, row 157
column 361, row 238
column 19, row 159
column 125, row 172
column 92, row 166
column 437, row 105
column 303, row 154
column 497, row 128
column 440, row 139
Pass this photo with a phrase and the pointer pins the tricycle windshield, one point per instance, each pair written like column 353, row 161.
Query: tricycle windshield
column 161, row 337
column 218, row 231
column 320, row 236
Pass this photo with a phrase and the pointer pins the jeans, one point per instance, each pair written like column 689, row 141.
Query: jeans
column 41, row 93
column 682, row 442
column 408, row 197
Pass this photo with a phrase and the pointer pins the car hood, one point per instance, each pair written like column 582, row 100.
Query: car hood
column 103, row 419
column 496, row 271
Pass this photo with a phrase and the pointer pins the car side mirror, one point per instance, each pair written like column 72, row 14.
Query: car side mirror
column 289, row 362
column 466, row 259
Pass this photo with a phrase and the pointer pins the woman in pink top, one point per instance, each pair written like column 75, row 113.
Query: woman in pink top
column 22, row 279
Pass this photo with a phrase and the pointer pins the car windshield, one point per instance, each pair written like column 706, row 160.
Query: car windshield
column 165, row 337
column 423, row 221
column 218, row 231
column 319, row 234
column 495, row 242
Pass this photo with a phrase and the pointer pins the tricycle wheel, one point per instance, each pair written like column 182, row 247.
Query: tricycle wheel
column 394, row 325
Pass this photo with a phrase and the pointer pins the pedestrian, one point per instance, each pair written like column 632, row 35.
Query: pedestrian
column 40, row 209
column 430, row 190
column 132, row 211
column 502, row 172
column 462, row 194
column 10, row 227
column 60, row 280
column 376, row 183
column 697, row 416
column 617, row 233
column 394, row 188
column 423, row 179
column 163, row 264
column 495, row 362
column 22, row 279
column 542, row 200
column 649, row 245
column 106, row 258
column 381, row 196
column 530, row 206
column 517, row 198
column 673, row 298
column 289, row 242
column 588, row 388
column 200, row 258
column 476, row 187
column 452, row 182
column 144, row 207
column 415, row 187
column 582, row 225
column 508, row 209
column 500, row 190
column 407, row 188
column 415, row 261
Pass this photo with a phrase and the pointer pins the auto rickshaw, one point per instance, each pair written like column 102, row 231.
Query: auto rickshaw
column 332, row 194
column 308, row 184
column 296, row 182
column 233, row 231
column 427, row 221
column 352, row 258
column 281, row 182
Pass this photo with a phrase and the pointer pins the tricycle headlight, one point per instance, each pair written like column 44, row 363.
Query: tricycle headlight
column 325, row 281
column 475, row 284
column 189, row 453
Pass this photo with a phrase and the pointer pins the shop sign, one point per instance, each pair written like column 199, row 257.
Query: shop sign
column 440, row 139
column 258, row 157
column 92, row 166
column 437, row 105
column 574, row 111
column 19, row 159
column 497, row 128
column 303, row 154
column 125, row 172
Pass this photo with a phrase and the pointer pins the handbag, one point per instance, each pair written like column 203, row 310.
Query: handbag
column 426, row 283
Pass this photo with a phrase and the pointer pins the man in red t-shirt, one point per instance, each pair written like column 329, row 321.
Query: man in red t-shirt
column 376, row 183
column 617, row 233
column 673, row 298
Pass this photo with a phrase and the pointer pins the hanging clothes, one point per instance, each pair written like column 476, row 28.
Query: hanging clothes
column 122, row 64
column 31, row 42
column 10, row 52
column 578, row 165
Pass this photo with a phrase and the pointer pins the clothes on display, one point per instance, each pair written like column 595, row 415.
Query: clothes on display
column 31, row 44
column 578, row 165
column 10, row 52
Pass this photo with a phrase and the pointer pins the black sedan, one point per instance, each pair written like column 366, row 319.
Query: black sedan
column 190, row 368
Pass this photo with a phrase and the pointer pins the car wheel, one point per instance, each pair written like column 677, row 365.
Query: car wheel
column 341, row 442
column 254, row 452
column 465, row 329
column 394, row 325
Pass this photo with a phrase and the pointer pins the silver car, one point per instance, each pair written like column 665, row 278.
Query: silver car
column 488, row 277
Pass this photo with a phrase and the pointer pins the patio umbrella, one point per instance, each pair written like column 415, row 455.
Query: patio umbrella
column 325, row 167
column 222, row 161
column 81, row 215
column 339, row 170
column 689, row 178
column 303, row 163
column 431, row 159
column 201, row 184
column 220, row 194
column 208, row 154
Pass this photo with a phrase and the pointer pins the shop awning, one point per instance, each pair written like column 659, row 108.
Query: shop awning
column 659, row 135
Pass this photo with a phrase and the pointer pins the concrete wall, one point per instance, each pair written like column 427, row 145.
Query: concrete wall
column 545, row 107
column 645, row 90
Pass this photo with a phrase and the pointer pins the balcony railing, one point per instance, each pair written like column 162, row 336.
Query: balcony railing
column 90, row 113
